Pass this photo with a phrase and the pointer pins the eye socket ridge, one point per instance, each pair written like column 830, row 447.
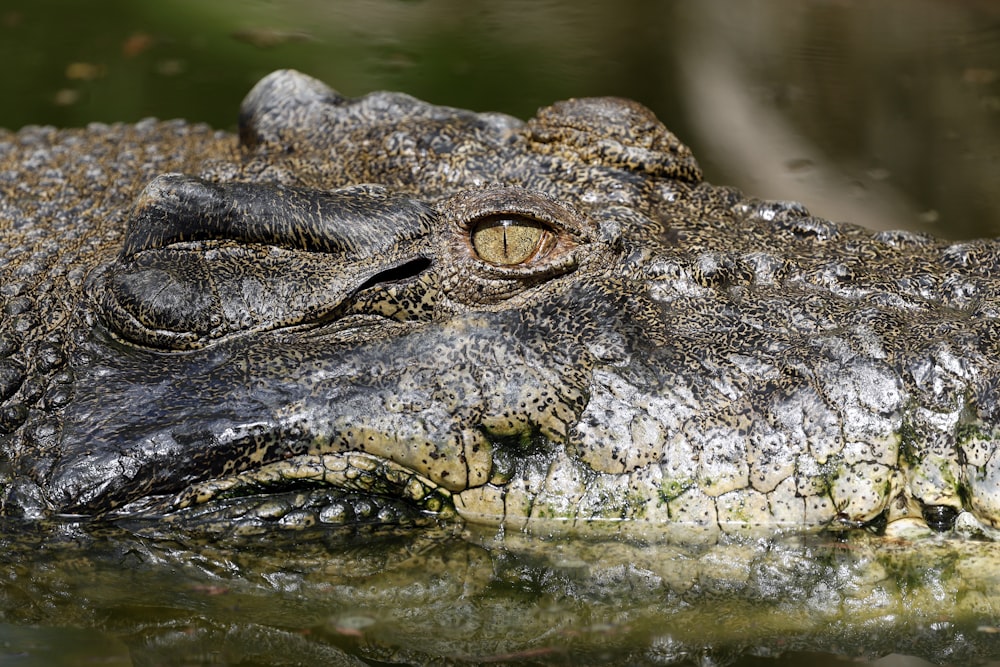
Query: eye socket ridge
column 511, row 239
column 512, row 230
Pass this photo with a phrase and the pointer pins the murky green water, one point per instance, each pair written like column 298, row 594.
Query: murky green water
column 880, row 112
column 80, row 595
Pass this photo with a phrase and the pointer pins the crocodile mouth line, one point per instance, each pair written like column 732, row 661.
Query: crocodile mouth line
column 351, row 475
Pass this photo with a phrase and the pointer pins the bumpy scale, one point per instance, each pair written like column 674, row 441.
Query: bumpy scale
column 546, row 325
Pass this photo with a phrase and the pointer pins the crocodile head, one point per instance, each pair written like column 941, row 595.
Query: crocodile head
column 378, row 307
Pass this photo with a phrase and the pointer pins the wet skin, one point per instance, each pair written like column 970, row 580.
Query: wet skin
column 383, row 310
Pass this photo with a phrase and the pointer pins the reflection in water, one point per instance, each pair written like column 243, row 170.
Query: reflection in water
column 443, row 596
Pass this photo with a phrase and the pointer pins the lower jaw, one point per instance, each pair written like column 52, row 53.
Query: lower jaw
column 343, row 490
column 293, row 514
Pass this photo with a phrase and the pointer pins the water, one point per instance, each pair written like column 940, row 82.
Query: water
column 879, row 112
column 131, row 595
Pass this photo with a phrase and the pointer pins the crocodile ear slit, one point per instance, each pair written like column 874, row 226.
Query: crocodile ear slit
column 203, row 261
column 348, row 222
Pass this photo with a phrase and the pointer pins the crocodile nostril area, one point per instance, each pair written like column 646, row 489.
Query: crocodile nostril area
column 940, row 518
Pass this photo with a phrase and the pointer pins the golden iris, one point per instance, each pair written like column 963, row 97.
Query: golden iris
column 508, row 241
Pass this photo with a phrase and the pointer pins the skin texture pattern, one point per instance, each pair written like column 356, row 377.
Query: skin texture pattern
column 377, row 309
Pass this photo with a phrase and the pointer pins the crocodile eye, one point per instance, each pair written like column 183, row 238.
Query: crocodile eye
column 510, row 240
column 504, row 239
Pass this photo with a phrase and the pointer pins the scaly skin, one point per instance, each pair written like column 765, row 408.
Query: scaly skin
column 551, row 325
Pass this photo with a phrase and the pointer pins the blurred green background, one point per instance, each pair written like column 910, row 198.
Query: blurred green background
column 881, row 112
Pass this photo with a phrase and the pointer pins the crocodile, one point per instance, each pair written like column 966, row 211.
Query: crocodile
column 380, row 310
